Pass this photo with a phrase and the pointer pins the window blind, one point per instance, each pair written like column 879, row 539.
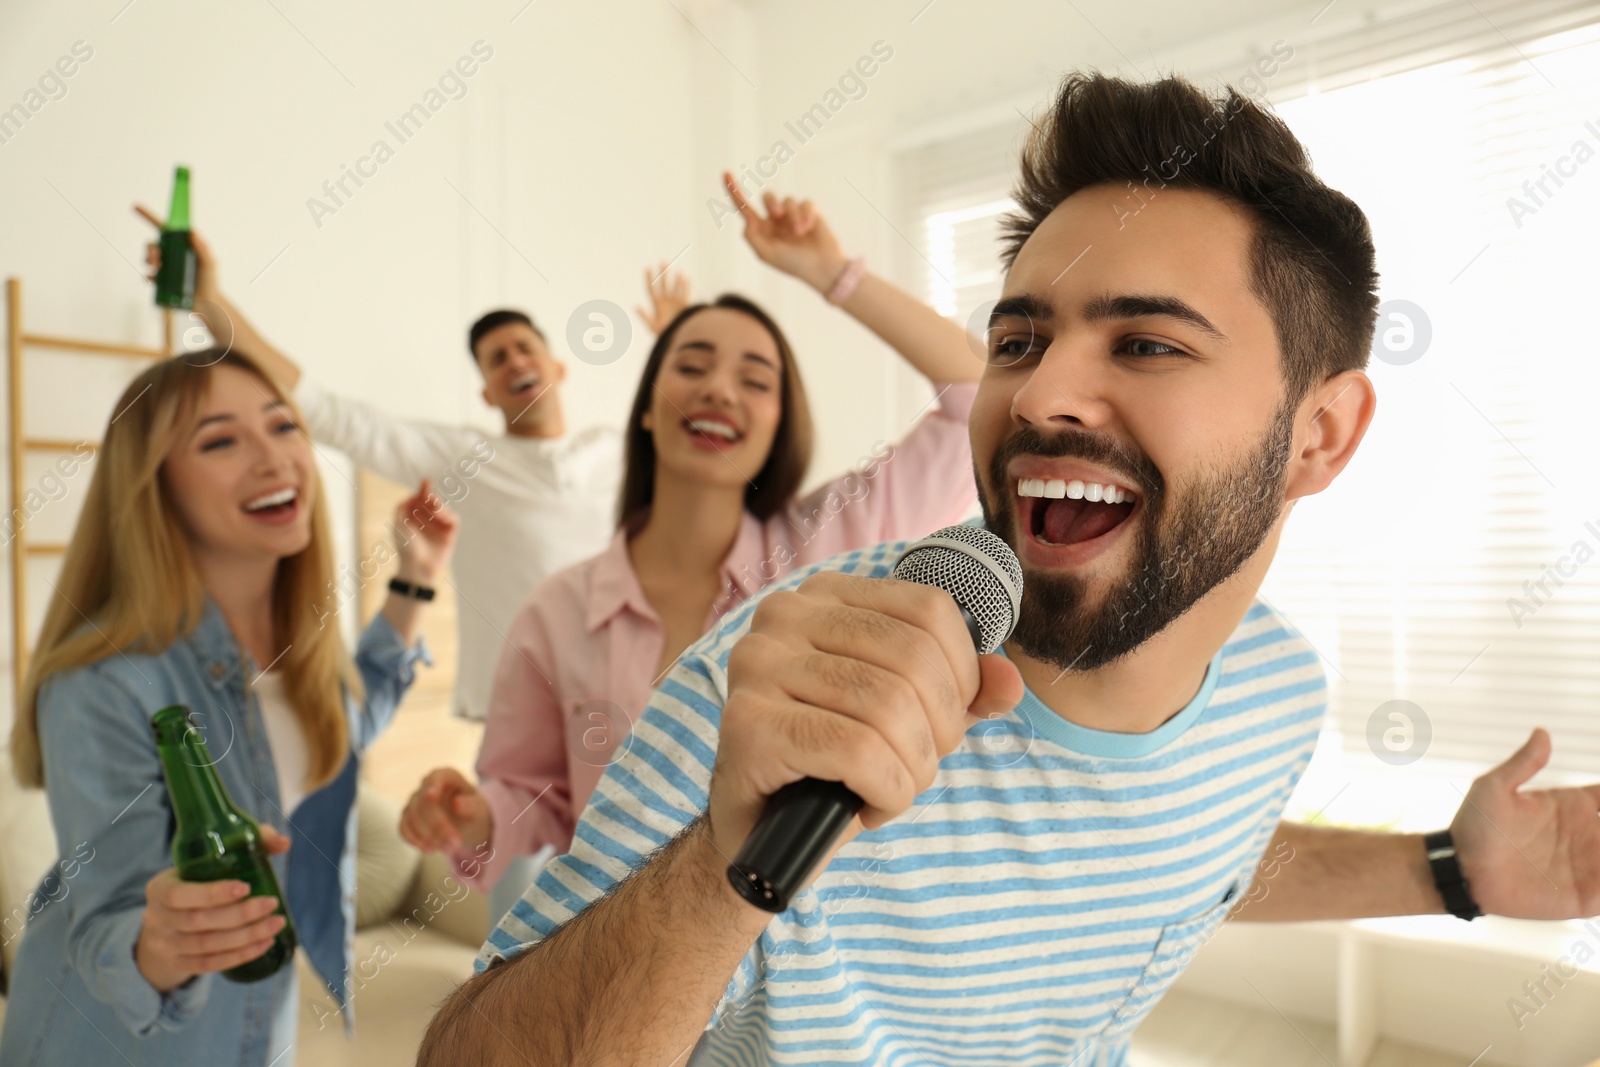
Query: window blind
column 1455, row 566
column 958, row 189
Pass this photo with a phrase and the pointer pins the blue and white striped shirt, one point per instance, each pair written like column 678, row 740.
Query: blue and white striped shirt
column 1029, row 908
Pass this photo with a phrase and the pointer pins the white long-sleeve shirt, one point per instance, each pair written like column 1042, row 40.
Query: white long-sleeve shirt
column 528, row 506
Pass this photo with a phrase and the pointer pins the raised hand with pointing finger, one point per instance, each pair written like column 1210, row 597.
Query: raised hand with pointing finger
column 792, row 236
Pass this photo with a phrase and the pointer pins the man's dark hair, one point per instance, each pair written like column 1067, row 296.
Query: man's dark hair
column 493, row 321
column 1311, row 260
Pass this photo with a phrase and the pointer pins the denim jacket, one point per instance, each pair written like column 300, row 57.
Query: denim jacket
column 76, row 995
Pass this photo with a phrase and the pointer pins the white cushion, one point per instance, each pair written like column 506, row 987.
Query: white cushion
column 386, row 866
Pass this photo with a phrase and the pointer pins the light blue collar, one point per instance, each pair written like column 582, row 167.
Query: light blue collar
column 1090, row 742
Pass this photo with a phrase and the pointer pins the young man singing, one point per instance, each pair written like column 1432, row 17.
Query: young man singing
column 1175, row 360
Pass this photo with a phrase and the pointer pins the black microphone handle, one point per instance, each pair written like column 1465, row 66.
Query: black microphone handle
column 797, row 829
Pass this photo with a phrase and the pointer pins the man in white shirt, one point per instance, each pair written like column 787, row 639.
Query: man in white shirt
column 532, row 500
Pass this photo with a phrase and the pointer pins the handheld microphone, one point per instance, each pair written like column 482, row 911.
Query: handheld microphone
column 803, row 819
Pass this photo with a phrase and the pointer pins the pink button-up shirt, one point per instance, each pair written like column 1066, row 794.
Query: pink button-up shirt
column 580, row 659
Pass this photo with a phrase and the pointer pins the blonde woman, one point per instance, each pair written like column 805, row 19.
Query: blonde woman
column 199, row 574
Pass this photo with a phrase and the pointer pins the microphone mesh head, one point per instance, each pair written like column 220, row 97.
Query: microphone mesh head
column 975, row 567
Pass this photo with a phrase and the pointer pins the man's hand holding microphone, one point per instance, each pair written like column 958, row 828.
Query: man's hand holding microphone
column 845, row 695
column 842, row 699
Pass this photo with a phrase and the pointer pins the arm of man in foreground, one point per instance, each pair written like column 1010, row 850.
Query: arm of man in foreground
column 845, row 679
column 1531, row 854
column 632, row 979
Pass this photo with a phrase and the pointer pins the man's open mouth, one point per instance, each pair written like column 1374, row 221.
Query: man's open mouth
column 1057, row 511
column 525, row 385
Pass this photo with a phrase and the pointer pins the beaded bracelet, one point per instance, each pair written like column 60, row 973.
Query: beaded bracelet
column 848, row 279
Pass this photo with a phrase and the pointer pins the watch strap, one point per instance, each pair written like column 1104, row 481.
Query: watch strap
column 404, row 588
column 1448, row 877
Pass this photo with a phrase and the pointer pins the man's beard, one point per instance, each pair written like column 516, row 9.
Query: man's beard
column 1212, row 530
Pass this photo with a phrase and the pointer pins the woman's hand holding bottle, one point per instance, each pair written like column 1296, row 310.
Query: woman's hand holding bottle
column 194, row 928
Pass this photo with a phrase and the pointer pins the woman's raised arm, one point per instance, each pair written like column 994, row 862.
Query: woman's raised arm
column 793, row 237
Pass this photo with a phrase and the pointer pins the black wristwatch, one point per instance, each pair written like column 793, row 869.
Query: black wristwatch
column 1448, row 877
column 421, row 592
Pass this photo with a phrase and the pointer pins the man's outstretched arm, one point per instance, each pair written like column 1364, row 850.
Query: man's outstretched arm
column 863, row 681
column 1526, row 853
column 633, row 979
column 1326, row 872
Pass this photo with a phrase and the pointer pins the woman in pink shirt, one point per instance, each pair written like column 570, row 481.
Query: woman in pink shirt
column 718, row 441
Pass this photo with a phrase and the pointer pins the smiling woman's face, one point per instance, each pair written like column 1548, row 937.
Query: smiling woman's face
column 241, row 480
column 717, row 400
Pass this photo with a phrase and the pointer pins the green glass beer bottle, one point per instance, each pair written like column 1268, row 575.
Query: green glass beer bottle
column 175, row 278
column 213, row 839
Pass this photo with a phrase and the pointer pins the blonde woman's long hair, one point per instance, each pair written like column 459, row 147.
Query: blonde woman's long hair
column 128, row 569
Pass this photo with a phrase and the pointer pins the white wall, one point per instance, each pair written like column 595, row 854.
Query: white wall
column 587, row 145
column 574, row 141
column 583, row 171
column 953, row 65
